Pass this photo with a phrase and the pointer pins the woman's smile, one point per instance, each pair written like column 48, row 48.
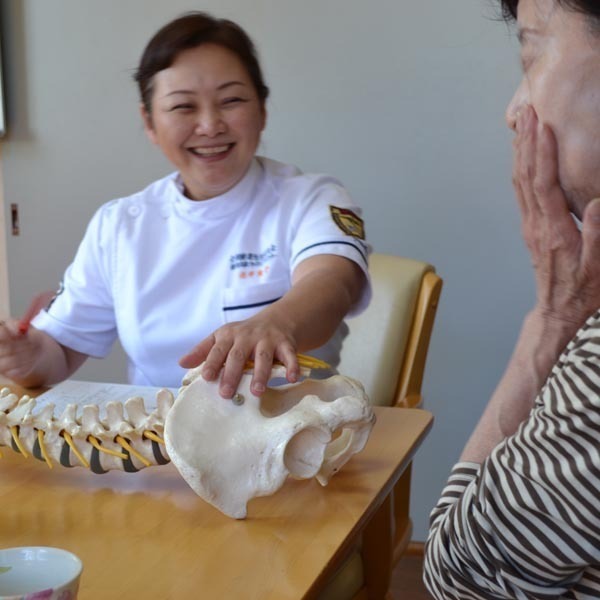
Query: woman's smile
column 212, row 152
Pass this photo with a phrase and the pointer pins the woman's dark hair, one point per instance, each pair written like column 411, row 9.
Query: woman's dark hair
column 590, row 8
column 189, row 31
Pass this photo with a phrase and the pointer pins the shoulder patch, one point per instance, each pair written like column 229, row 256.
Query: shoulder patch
column 348, row 221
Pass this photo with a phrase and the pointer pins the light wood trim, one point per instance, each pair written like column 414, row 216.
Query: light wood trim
column 413, row 367
column 4, row 295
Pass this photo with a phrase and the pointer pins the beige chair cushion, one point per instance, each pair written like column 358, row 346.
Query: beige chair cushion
column 373, row 351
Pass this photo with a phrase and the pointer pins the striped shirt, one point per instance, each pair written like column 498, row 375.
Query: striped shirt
column 525, row 524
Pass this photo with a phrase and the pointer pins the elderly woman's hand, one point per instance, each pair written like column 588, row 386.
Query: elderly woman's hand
column 567, row 272
column 566, row 260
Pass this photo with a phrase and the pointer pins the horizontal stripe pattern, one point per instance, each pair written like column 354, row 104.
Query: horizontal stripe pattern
column 253, row 305
column 526, row 523
column 357, row 244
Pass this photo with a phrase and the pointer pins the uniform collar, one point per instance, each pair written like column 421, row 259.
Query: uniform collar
column 219, row 206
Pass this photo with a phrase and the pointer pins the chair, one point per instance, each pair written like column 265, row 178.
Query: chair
column 386, row 350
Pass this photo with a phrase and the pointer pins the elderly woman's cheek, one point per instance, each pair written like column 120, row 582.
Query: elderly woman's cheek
column 579, row 167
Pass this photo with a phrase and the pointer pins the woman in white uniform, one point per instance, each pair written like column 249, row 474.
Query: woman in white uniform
column 231, row 257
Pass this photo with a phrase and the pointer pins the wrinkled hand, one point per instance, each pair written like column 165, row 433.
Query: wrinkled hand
column 566, row 260
column 259, row 338
column 17, row 351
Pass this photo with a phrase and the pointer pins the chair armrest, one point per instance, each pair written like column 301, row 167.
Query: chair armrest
column 410, row 401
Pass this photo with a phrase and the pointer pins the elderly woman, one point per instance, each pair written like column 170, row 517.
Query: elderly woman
column 520, row 516
column 231, row 257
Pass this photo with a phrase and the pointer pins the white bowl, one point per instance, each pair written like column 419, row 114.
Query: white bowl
column 38, row 573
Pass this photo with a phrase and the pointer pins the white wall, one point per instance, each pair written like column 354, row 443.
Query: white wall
column 403, row 101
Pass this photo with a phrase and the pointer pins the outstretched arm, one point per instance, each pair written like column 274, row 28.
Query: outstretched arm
column 324, row 288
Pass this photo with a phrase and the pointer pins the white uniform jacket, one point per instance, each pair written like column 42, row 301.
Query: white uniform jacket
column 161, row 272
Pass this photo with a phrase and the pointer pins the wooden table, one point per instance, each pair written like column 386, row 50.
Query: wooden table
column 147, row 535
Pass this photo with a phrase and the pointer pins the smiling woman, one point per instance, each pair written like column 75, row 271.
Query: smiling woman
column 203, row 101
column 231, row 257
column 206, row 117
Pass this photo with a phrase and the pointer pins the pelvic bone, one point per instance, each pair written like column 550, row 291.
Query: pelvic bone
column 230, row 452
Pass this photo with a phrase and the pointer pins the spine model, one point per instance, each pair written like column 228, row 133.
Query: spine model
column 127, row 437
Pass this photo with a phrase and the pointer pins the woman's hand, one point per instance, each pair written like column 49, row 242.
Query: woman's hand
column 323, row 289
column 567, row 273
column 262, row 338
column 566, row 260
column 33, row 358
column 18, row 352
